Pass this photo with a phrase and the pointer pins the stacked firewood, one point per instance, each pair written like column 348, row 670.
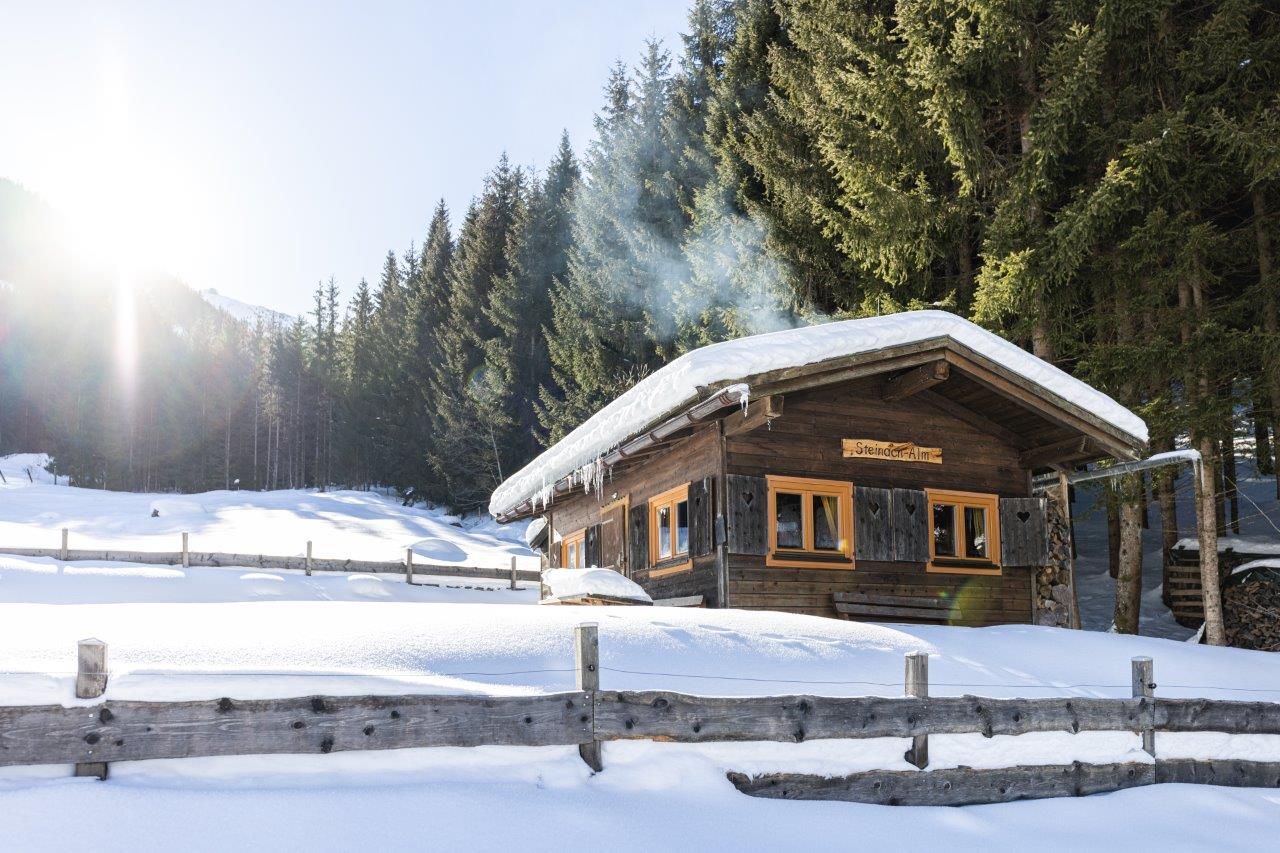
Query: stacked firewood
column 1053, row 595
column 1251, row 611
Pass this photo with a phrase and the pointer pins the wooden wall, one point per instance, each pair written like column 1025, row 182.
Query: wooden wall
column 805, row 442
column 685, row 461
column 978, row 599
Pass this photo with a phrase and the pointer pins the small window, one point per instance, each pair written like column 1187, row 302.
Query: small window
column 810, row 523
column 966, row 535
column 669, row 531
column 573, row 551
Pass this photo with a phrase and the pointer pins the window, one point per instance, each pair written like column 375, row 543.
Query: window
column 573, row 551
column 669, row 532
column 810, row 523
column 966, row 533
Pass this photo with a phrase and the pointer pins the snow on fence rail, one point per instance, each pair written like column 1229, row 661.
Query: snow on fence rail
column 306, row 563
column 92, row 736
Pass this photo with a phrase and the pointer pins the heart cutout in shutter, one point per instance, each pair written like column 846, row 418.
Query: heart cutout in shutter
column 1023, row 515
column 911, row 509
column 747, row 498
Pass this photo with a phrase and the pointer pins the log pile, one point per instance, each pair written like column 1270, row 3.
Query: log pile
column 1251, row 611
column 1052, row 581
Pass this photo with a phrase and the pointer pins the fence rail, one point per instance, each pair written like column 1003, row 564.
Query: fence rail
column 214, row 559
column 92, row 736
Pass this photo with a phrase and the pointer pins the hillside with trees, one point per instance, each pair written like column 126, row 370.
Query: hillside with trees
column 1097, row 182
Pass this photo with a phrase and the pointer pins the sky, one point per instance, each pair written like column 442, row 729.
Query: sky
column 258, row 148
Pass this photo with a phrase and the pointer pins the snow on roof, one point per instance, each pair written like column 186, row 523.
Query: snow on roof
column 674, row 386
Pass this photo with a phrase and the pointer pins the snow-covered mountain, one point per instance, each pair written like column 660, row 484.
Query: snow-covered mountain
column 244, row 311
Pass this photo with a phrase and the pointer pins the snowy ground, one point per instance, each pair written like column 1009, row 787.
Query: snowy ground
column 204, row 633
column 1096, row 589
column 341, row 524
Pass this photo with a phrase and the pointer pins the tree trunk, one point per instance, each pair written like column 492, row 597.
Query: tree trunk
column 1215, row 634
column 1230, row 483
column 1262, row 452
column 1129, row 577
column 1270, row 323
column 1164, row 481
column 1113, row 532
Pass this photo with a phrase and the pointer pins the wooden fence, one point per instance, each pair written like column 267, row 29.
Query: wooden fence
column 307, row 563
column 94, row 735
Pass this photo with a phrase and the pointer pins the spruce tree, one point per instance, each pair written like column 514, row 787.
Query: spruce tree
column 469, row 414
column 516, row 359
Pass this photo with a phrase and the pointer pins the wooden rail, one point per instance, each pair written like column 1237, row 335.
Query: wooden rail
column 92, row 736
column 262, row 561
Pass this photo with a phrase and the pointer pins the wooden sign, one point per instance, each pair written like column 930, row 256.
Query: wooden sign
column 890, row 451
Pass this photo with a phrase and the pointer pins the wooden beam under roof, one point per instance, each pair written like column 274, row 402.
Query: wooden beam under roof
column 1057, row 451
column 760, row 412
column 1048, row 405
column 917, row 379
column 974, row 419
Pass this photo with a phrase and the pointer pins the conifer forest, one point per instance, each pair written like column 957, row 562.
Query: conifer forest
column 1098, row 182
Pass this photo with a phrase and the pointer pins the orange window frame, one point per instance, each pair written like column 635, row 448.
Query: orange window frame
column 807, row 556
column 574, row 544
column 679, row 561
column 962, row 563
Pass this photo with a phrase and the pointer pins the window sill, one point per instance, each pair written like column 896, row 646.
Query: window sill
column 963, row 567
column 671, row 566
column 808, row 560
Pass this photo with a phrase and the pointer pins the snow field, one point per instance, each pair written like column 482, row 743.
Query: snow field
column 340, row 524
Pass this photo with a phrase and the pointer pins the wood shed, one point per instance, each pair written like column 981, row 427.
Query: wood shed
column 871, row 469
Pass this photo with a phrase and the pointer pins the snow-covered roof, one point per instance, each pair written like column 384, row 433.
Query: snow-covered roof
column 676, row 385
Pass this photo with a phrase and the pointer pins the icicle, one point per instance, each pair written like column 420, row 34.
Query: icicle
column 744, row 398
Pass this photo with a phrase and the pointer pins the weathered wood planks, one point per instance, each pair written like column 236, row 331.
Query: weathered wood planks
column 962, row 786
column 873, row 534
column 1216, row 715
column 680, row 717
column 124, row 731
column 1024, row 538
column 748, row 514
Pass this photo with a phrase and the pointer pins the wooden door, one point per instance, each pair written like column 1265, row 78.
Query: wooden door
column 613, row 537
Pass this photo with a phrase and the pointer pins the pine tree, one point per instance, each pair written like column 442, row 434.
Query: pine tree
column 517, row 364
column 469, row 413
column 428, row 313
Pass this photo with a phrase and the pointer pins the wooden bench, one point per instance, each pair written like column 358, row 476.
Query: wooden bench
column 866, row 606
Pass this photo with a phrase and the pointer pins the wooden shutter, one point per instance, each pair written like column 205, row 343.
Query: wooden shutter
column 701, row 518
column 591, row 547
column 1024, row 539
column 613, row 536
column 553, row 548
column 910, row 521
column 637, row 538
column 872, row 534
column 748, row 510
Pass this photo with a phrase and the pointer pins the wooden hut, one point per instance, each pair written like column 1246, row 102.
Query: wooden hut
column 873, row 469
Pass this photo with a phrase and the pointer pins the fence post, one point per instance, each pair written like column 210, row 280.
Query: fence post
column 308, row 558
column 91, row 682
column 64, row 545
column 916, row 682
column 186, row 555
column 408, row 565
column 513, row 573
column 1144, row 687
column 587, row 664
